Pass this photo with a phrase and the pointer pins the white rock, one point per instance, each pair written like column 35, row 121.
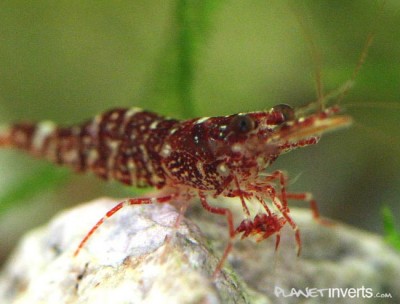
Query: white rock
column 126, row 260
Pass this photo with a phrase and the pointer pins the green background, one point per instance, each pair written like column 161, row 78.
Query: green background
column 69, row 60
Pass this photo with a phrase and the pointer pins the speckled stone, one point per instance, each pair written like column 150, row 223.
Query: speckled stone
column 128, row 261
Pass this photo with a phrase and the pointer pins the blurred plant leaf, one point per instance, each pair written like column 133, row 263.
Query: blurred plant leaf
column 392, row 236
column 175, row 73
column 193, row 24
column 44, row 179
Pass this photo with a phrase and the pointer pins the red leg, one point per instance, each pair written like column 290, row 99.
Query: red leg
column 269, row 213
column 119, row 206
column 308, row 197
column 279, row 176
column 168, row 237
column 229, row 217
column 278, row 240
column 264, row 204
column 284, row 196
column 285, row 212
column 282, row 183
column 244, row 206
column 263, row 226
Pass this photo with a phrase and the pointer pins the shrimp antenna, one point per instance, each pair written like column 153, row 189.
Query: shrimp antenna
column 364, row 52
column 315, row 54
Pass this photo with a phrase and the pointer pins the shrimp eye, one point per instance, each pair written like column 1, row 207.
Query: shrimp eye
column 286, row 110
column 242, row 123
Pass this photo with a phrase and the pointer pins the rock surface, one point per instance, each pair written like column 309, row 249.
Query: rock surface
column 127, row 261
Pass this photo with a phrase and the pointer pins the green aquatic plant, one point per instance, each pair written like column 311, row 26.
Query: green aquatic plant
column 392, row 235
